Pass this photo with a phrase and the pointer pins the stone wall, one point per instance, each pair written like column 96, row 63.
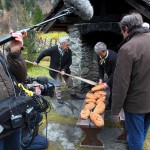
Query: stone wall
column 84, row 61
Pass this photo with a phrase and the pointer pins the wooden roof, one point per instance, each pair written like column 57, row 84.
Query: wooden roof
column 104, row 11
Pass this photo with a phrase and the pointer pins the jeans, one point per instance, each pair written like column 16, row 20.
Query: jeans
column 38, row 143
column 137, row 126
column 12, row 141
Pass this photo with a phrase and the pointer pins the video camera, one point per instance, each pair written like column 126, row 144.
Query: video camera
column 16, row 111
column 42, row 83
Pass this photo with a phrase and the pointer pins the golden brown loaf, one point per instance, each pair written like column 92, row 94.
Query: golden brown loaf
column 101, row 99
column 91, row 96
column 100, row 108
column 97, row 119
column 88, row 100
column 84, row 114
column 97, row 88
column 102, row 93
column 89, row 106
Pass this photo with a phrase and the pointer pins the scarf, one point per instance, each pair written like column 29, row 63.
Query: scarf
column 102, row 60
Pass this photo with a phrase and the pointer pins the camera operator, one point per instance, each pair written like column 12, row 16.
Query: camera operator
column 31, row 139
column 13, row 62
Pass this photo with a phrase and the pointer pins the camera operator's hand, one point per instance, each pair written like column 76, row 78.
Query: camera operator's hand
column 62, row 73
column 35, row 64
column 17, row 43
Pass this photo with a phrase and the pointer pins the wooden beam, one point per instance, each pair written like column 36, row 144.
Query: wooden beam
column 101, row 26
column 139, row 7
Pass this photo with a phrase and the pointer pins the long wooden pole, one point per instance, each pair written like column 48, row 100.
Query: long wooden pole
column 76, row 77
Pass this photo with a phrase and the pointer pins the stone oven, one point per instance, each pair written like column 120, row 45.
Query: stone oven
column 85, row 34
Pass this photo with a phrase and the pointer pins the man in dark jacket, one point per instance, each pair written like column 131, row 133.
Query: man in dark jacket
column 61, row 59
column 131, row 82
column 106, row 64
column 17, row 67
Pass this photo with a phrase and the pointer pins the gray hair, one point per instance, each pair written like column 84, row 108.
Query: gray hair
column 64, row 39
column 99, row 47
column 131, row 21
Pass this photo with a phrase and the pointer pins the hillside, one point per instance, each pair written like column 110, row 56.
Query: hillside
column 14, row 17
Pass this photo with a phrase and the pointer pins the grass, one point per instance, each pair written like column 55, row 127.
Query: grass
column 35, row 71
column 53, row 116
column 147, row 142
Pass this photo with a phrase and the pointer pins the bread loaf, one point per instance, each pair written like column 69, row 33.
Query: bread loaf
column 100, row 108
column 91, row 96
column 97, row 119
column 97, row 88
column 88, row 100
column 84, row 114
column 101, row 99
column 89, row 106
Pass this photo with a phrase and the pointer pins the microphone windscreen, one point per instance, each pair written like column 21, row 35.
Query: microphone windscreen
column 83, row 8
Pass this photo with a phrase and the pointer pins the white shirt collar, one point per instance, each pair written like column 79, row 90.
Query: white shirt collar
column 107, row 53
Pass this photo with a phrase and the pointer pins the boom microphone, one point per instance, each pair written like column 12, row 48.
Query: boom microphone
column 82, row 8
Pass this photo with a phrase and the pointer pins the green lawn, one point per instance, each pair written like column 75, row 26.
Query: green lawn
column 35, row 71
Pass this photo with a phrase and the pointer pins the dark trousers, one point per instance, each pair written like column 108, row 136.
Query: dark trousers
column 12, row 141
column 110, row 99
column 68, row 80
column 137, row 126
column 108, row 106
column 39, row 143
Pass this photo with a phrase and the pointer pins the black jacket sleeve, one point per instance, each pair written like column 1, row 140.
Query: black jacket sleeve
column 113, row 66
column 68, row 63
column 44, row 53
column 101, row 69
